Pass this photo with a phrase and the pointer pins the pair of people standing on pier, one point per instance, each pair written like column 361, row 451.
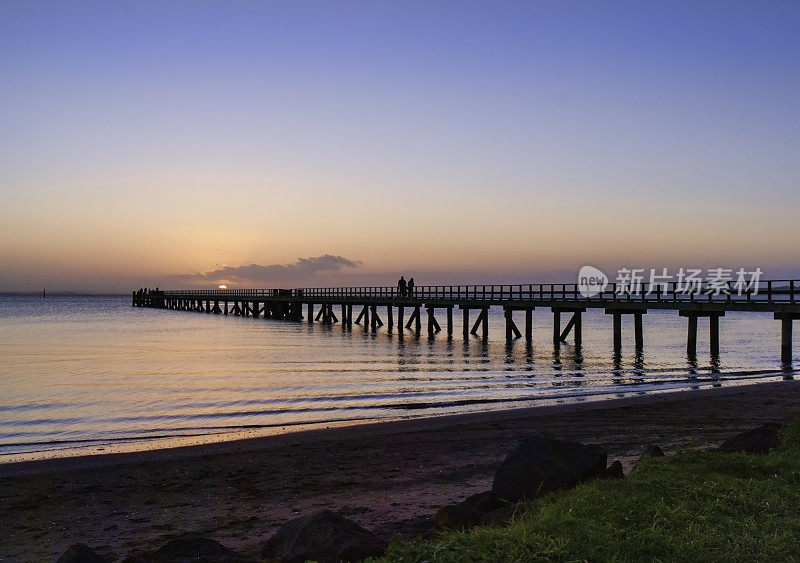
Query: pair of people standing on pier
column 405, row 289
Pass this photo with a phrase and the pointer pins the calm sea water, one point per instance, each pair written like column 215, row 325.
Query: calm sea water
column 94, row 373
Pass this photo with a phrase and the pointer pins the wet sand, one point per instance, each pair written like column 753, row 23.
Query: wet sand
column 389, row 477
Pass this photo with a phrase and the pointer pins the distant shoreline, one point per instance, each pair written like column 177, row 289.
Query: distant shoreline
column 60, row 294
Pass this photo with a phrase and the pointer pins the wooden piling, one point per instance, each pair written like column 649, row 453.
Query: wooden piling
column 617, row 332
column 786, row 336
column 638, row 336
column 450, row 321
column 528, row 325
column 512, row 331
column 691, row 339
column 557, row 328
column 714, row 334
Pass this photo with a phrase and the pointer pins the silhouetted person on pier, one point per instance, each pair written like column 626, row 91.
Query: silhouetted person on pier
column 402, row 287
column 411, row 287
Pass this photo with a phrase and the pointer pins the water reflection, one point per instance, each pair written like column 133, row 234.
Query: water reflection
column 169, row 372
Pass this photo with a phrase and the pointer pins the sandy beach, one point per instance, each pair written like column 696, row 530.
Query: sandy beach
column 389, row 477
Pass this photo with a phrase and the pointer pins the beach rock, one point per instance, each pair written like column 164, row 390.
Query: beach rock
column 756, row 441
column 80, row 553
column 481, row 509
column 188, row 548
column 541, row 464
column 322, row 536
column 613, row 471
column 652, row 450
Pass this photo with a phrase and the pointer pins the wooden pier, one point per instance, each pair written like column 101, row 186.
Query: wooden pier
column 781, row 298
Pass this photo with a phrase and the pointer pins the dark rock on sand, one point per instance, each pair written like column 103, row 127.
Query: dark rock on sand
column 80, row 553
column 613, row 471
column 652, row 450
column 483, row 508
column 189, row 548
column 322, row 536
column 756, row 441
column 541, row 464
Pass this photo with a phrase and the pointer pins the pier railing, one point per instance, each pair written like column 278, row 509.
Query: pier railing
column 766, row 292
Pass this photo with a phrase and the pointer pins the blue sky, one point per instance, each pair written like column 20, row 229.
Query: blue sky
column 143, row 140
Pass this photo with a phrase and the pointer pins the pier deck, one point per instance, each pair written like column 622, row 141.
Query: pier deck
column 779, row 297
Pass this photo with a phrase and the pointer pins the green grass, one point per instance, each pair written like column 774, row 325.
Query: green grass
column 695, row 506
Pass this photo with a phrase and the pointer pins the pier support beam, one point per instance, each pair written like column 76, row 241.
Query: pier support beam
column 310, row 313
column 574, row 325
column 389, row 318
column 637, row 324
column 465, row 319
column 433, row 325
column 376, row 320
column 415, row 320
column 637, row 331
column 691, row 339
column 296, row 311
column 361, row 316
column 529, row 325
column 512, row 331
column 713, row 326
column 449, row 321
column 400, row 318
column 786, row 336
column 483, row 322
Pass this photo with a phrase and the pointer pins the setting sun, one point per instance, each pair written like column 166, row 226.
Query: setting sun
column 223, row 286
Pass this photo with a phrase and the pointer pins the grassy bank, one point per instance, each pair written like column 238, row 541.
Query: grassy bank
column 689, row 506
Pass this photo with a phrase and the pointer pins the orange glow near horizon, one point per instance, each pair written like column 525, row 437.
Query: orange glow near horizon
column 502, row 153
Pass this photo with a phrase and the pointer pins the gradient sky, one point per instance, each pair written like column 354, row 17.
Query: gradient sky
column 149, row 143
